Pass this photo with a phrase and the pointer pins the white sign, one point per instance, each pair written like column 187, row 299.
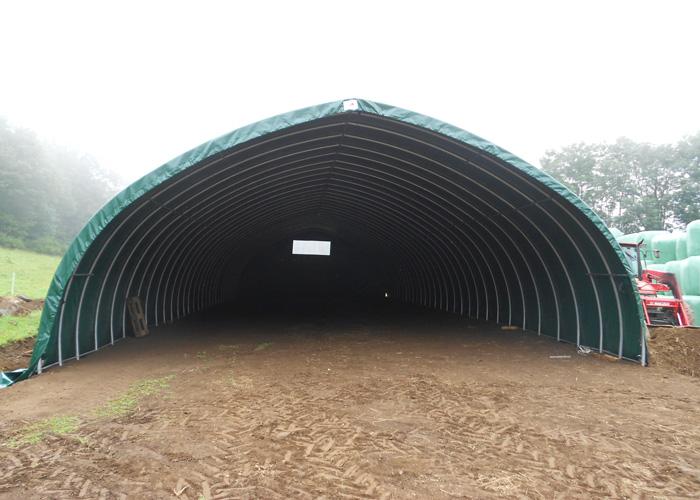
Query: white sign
column 311, row 247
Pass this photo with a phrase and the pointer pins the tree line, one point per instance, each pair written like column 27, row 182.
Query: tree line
column 47, row 192
column 633, row 186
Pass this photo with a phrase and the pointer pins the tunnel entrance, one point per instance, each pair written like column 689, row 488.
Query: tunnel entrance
column 416, row 209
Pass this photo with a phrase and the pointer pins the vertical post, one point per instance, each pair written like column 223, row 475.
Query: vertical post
column 645, row 333
column 639, row 260
column 60, row 320
column 12, row 286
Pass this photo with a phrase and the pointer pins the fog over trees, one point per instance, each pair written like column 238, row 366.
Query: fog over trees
column 47, row 192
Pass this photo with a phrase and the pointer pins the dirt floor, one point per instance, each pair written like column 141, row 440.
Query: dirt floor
column 677, row 349
column 390, row 405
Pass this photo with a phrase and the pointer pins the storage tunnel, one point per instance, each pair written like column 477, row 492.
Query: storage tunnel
column 414, row 208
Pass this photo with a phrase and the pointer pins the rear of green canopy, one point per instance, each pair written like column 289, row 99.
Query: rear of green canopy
column 459, row 224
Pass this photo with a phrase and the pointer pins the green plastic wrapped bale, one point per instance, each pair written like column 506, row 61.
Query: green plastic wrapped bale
column 693, row 303
column 681, row 245
column 646, row 237
column 628, row 238
column 647, row 253
column 616, row 232
column 658, row 267
column 676, row 267
column 690, row 275
column 664, row 245
column 693, row 232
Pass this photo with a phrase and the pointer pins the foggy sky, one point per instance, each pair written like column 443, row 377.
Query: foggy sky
column 137, row 83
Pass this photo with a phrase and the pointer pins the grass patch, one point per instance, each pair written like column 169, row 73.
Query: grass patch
column 38, row 431
column 14, row 328
column 128, row 401
column 261, row 346
column 33, row 272
column 67, row 425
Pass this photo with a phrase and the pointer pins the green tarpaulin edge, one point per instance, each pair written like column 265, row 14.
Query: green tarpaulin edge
column 114, row 207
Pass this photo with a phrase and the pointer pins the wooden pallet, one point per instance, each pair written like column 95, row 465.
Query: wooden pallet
column 138, row 320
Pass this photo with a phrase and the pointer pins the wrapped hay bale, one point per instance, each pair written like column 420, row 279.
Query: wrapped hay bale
column 628, row 238
column 665, row 246
column 690, row 275
column 676, row 267
column 693, row 235
column 616, row 232
column 693, row 303
column 647, row 246
column 681, row 245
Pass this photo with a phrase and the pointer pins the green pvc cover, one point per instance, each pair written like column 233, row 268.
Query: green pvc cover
column 475, row 230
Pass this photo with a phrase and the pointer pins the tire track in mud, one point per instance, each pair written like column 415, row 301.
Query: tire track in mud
column 237, row 430
column 374, row 439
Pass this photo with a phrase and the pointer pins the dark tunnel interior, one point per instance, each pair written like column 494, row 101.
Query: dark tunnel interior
column 277, row 277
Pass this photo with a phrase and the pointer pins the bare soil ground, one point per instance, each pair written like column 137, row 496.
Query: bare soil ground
column 364, row 406
column 15, row 306
column 16, row 354
column 677, row 349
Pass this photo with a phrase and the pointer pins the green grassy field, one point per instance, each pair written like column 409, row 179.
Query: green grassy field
column 18, row 327
column 33, row 273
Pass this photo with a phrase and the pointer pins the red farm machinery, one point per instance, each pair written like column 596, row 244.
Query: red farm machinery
column 661, row 294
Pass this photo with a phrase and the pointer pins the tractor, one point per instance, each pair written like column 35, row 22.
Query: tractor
column 661, row 295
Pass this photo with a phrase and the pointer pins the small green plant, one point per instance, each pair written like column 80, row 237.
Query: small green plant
column 37, row 431
column 128, row 401
column 262, row 346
